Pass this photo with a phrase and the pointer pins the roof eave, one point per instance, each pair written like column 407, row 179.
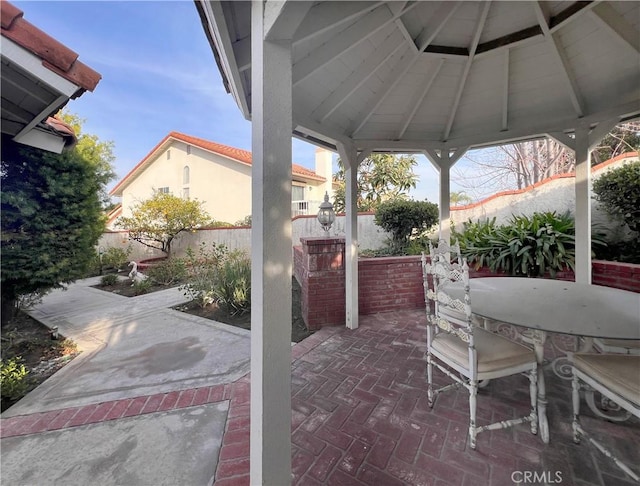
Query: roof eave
column 217, row 33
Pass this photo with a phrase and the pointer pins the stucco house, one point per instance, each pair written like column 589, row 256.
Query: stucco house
column 216, row 174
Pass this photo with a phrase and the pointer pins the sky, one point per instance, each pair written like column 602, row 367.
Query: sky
column 158, row 75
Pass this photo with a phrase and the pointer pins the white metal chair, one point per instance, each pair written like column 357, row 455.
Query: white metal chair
column 466, row 353
column 615, row 376
column 451, row 252
column 621, row 346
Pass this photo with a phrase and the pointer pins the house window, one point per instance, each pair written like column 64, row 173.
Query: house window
column 188, row 149
column 163, row 190
column 297, row 193
column 185, row 193
column 185, row 175
column 168, row 154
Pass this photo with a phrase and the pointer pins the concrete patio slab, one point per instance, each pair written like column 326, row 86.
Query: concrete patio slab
column 158, row 352
column 178, row 447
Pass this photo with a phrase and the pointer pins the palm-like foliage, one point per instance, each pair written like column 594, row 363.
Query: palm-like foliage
column 527, row 245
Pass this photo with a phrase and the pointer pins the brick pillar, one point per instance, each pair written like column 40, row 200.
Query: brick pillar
column 323, row 294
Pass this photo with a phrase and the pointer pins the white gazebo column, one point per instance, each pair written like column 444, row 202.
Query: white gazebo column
column 349, row 158
column 583, row 207
column 585, row 140
column 443, row 160
column 271, row 257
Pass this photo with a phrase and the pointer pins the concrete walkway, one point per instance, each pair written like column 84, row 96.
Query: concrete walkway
column 145, row 403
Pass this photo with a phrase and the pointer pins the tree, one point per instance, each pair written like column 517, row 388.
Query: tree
column 381, row 177
column 459, row 198
column 619, row 192
column 402, row 218
column 52, row 214
column 519, row 165
column 625, row 137
column 158, row 220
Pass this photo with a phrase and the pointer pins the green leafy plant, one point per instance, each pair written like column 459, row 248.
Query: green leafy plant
column 156, row 221
column 116, row 258
column 404, row 219
column 168, row 272
column 13, row 378
column 232, row 289
column 109, row 279
column 527, row 245
column 202, row 268
column 142, row 286
column 619, row 192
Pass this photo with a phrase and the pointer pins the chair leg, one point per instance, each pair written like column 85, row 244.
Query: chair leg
column 473, row 395
column 430, row 395
column 575, row 396
column 533, row 392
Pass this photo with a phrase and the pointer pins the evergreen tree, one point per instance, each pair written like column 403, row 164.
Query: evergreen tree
column 52, row 214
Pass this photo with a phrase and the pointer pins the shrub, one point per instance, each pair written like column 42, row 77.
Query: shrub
column 404, row 218
column 13, row 378
column 619, row 192
column 528, row 246
column 202, row 269
column 232, row 289
column 116, row 258
column 109, row 280
column 142, row 286
column 167, row 272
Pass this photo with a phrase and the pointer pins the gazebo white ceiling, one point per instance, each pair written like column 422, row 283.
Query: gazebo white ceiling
column 407, row 76
column 436, row 77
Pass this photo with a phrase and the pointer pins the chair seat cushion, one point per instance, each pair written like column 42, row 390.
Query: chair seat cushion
column 620, row 373
column 494, row 352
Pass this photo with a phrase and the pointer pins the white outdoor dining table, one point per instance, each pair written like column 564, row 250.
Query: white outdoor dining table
column 556, row 306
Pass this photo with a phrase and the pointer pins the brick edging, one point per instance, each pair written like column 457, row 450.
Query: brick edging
column 112, row 410
column 233, row 461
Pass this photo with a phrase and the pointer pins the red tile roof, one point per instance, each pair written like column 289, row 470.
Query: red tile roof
column 239, row 155
column 55, row 56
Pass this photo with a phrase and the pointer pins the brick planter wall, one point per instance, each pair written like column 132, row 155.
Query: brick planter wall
column 321, row 277
column 389, row 283
column 624, row 276
column 394, row 283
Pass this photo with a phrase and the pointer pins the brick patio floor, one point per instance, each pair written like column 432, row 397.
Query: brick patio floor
column 360, row 416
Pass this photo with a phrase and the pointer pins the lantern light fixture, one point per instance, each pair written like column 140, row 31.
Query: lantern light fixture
column 326, row 214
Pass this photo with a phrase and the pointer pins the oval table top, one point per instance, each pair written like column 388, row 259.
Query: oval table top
column 558, row 306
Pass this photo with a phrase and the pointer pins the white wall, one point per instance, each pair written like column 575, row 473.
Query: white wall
column 553, row 195
column 370, row 236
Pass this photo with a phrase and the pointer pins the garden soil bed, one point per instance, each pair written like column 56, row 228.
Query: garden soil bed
column 42, row 356
column 299, row 330
column 124, row 288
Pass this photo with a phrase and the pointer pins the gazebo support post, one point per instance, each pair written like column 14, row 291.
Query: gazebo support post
column 585, row 140
column 443, row 160
column 583, row 207
column 271, row 257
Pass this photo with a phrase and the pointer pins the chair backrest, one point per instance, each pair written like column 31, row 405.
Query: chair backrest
column 450, row 252
column 447, row 297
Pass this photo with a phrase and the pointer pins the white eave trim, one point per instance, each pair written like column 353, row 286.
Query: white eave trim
column 217, row 27
column 33, row 64
column 41, row 139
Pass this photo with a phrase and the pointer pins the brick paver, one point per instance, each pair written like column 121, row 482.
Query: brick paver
column 360, row 417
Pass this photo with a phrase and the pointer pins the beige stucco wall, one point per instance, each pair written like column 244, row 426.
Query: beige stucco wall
column 370, row 236
column 222, row 184
column 552, row 195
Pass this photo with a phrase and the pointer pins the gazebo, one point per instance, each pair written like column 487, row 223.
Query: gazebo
column 431, row 77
